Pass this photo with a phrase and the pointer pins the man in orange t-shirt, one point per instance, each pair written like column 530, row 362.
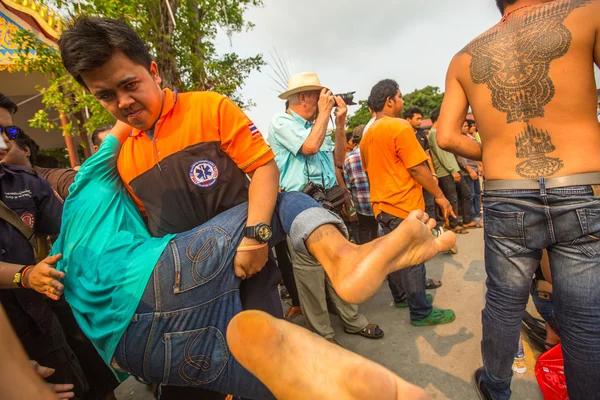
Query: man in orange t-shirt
column 397, row 168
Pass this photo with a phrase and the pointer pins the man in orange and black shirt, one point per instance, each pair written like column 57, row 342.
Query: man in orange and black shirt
column 189, row 155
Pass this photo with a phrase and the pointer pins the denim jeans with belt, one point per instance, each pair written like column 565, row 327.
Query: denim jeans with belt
column 177, row 335
column 518, row 225
column 408, row 282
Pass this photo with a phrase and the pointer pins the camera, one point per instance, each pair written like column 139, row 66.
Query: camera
column 319, row 194
column 348, row 98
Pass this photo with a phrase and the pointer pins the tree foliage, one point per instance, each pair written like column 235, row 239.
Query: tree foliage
column 427, row 99
column 360, row 116
column 184, row 51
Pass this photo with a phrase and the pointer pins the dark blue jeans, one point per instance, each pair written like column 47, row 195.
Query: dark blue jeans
column 177, row 336
column 475, row 189
column 518, row 225
column 409, row 282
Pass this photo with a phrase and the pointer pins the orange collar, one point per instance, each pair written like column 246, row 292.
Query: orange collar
column 168, row 105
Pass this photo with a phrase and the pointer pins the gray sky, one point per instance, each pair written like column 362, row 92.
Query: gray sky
column 352, row 45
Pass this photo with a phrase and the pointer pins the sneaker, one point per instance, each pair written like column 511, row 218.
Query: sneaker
column 436, row 317
column 483, row 393
column 404, row 304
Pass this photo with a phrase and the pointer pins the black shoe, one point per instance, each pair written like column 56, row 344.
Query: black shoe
column 483, row 393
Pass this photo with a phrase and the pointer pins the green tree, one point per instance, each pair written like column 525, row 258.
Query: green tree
column 360, row 116
column 427, row 99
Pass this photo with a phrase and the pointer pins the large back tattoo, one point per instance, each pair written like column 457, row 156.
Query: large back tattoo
column 513, row 60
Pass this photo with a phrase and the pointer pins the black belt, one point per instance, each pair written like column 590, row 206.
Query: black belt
column 590, row 178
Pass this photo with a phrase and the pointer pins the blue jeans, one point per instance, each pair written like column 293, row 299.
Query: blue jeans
column 475, row 188
column 408, row 282
column 177, row 335
column 518, row 225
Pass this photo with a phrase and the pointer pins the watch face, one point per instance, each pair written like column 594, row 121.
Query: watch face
column 264, row 232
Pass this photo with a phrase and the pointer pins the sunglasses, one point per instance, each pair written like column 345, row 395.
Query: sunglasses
column 11, row 131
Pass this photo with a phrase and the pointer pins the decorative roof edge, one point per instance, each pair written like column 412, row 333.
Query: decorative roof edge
column 46, row 17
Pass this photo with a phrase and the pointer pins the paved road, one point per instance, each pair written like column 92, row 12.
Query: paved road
column 440, row 359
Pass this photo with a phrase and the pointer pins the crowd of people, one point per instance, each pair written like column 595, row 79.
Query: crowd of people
column 162, row 256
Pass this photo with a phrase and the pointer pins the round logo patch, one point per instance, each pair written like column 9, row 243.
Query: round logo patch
column 28, row 218
column 204, row 173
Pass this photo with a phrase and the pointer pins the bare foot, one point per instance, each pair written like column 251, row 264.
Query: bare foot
column 357, row 272
column 297, row 364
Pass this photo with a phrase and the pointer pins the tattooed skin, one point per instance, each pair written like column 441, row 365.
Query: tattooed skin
column 513, row 60
column 533, row 144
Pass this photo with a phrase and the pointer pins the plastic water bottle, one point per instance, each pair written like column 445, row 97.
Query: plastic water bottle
column 519, row 365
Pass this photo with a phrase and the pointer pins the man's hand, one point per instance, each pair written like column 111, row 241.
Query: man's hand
column 473, row 175
column 248, row 263
column 445, row 206
column 341, row 111
column 436, row 180
column 326, row 102
column 456, row 177
column 63, row 391
column 43, row 278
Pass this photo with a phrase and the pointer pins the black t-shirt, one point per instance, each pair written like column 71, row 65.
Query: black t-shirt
column 422, row 138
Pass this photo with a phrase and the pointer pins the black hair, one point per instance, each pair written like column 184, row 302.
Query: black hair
column 383, row 90
column 349, row 135
column 435, row 114
column 91, row 41
column 357, row 133
column 95, row 139
column 410, row 113
column 24, row 142
column 503, row 3
column 46, row 161
column 470, row 123
column 8, row 104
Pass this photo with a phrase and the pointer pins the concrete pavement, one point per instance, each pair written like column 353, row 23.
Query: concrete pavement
column 440, row 359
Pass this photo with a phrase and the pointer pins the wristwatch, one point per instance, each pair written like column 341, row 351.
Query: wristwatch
column 261, row 232
column 19, row 276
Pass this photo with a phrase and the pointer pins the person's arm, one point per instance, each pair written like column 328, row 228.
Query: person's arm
column 430, row 163
column 42, row 277
column 262, row 194
column 19, row 379
column 452, row 117
column 424, row 177
column 254, row 157
column 315, row 139
column 411, row 154
column 121, row 131
column 339, row 153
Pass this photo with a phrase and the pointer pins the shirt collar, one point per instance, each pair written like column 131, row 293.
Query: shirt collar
column 299, row 119
column 168, row 105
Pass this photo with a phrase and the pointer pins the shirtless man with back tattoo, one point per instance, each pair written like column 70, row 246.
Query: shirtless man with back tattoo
column 530, row 83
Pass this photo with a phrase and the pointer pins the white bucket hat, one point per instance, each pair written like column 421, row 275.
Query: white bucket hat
column 302, row 82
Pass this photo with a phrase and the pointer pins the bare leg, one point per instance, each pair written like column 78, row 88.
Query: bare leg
column 356, row 272
column 295, row 363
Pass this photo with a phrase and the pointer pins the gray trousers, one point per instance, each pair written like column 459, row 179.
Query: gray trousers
column 311, row 281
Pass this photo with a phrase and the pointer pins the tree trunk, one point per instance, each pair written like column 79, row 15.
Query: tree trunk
column 167, row 65
column 198, row 73
column 83, row 134
column 69, row 142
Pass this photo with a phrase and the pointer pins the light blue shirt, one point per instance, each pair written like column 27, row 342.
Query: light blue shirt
column 287, row 134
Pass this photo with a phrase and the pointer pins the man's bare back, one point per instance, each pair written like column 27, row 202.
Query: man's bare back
column 530, row 83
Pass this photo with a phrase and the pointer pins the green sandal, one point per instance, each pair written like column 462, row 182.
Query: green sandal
column 436, row 317
column 404, row 304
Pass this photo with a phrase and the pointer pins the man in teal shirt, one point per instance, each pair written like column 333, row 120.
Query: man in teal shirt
column 305, row 153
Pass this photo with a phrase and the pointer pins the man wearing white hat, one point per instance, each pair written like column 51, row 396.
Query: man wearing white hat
column 307, row 156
